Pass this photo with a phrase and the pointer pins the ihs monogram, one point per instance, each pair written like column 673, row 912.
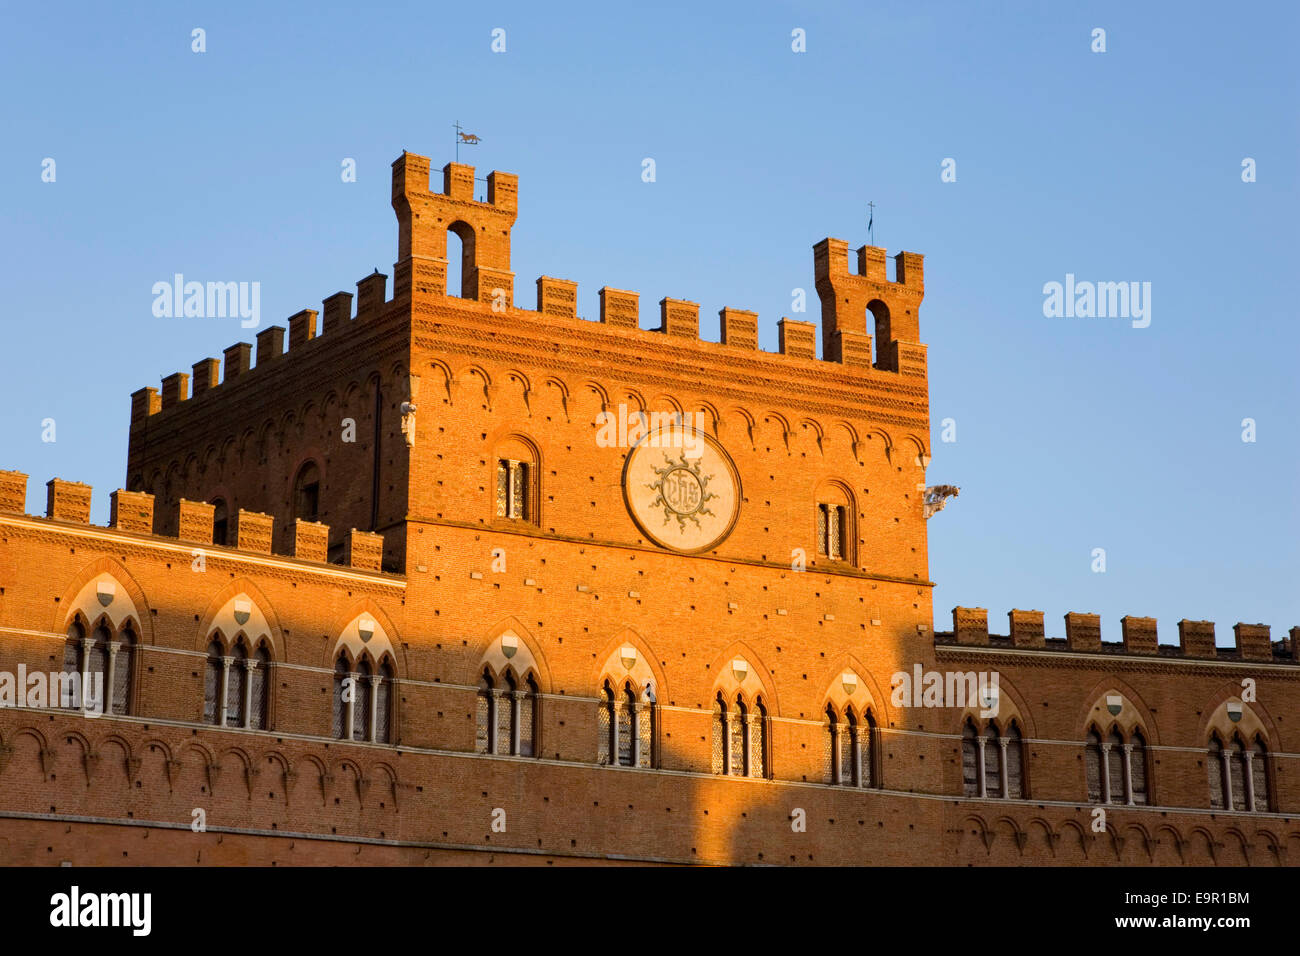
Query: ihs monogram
column 682, row 490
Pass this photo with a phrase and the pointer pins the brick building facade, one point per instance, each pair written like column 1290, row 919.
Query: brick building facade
column 425, row 587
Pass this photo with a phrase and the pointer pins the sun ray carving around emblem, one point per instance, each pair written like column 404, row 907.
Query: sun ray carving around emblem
column 681, row 490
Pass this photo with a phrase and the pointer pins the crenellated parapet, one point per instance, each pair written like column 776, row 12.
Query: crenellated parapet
column 243, row 362
column 426, row 217
column 868, row 321
column 68, row 502
column 1196, row 640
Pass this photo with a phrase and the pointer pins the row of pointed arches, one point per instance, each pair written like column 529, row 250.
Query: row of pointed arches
column 506, row 713
column 363, row 698
column 98, row 672
column 740, row 736
column 850, row 756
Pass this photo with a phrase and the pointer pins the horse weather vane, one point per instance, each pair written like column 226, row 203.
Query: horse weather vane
column 469, row 139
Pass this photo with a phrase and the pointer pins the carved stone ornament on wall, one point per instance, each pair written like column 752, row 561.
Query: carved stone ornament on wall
column 681, row 489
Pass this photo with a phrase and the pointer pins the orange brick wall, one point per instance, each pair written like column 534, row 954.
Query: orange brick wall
column 574, row 585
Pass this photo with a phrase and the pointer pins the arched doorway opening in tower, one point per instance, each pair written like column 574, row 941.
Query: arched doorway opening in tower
column 460, row 260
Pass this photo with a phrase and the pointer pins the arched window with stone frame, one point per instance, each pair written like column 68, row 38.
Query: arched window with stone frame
column 757, row 763
column 98, row 671
column 485, row 714
column 1014, row 761
column 1115, row 767
column 1261, row 776
column 992, row 762
column 220, row 522
column 361, row 701
column 1092, row 759
column 970, row 759
column 383, row 723
column 1137, row 768
column 213, row 669
column 70, row 682
column 1236, row 752
column 1118, row 771
column 737, row 740
column 849, row 754
column 342, row 695
column 518, row 481
column 606, row 727
column 836, row 534
column 306, row 492
column 122, row 656
column 528, row 704
column 236, row 676
column 508, row 707
column 259, row 688
column 721, row 735
column 625, row 716
column 363, row 698
column 506, row 715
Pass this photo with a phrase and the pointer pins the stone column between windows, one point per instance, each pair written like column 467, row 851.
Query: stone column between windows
column 349, row 719
column 983, row 788
column 1225, row 771
column 1105, row 773
column 1128, row 773
column 616, row 715
column 1248, row 778
column 250, row 665
column 498, row 698
column 106, row 692
column 225, row 688
column 843, row 774
column 636, row 733
column 514, row 722
column 1002, row 757
column 374, row 706
column 746, row 745
column 84, row 670
column 858, row 778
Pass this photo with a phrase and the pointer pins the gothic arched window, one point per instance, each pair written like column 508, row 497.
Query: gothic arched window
column 736, row 741
column 341, row 691
column 756, row 758
column 121, row 666
column 606, row 722
column 259, row 683
column 1115, row 767
column 213, row 668
column 992, row 762
column 70, row 682
column 720, row 746
column 1092, row 765
column 306, row 493
column 384, row 704
column 220, row 521
column 1260, row 780
column 1014, row 770
column 1137, row 761
column 970, row 760
column 485, row 712
column 236, row 674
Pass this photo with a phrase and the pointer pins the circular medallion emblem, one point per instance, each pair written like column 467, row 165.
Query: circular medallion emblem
column 681, row 489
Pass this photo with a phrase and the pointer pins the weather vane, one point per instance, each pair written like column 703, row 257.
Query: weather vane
column 469, row 139
column 871, row 223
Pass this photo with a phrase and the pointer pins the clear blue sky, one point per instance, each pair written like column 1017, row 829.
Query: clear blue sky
column 1072, row 434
